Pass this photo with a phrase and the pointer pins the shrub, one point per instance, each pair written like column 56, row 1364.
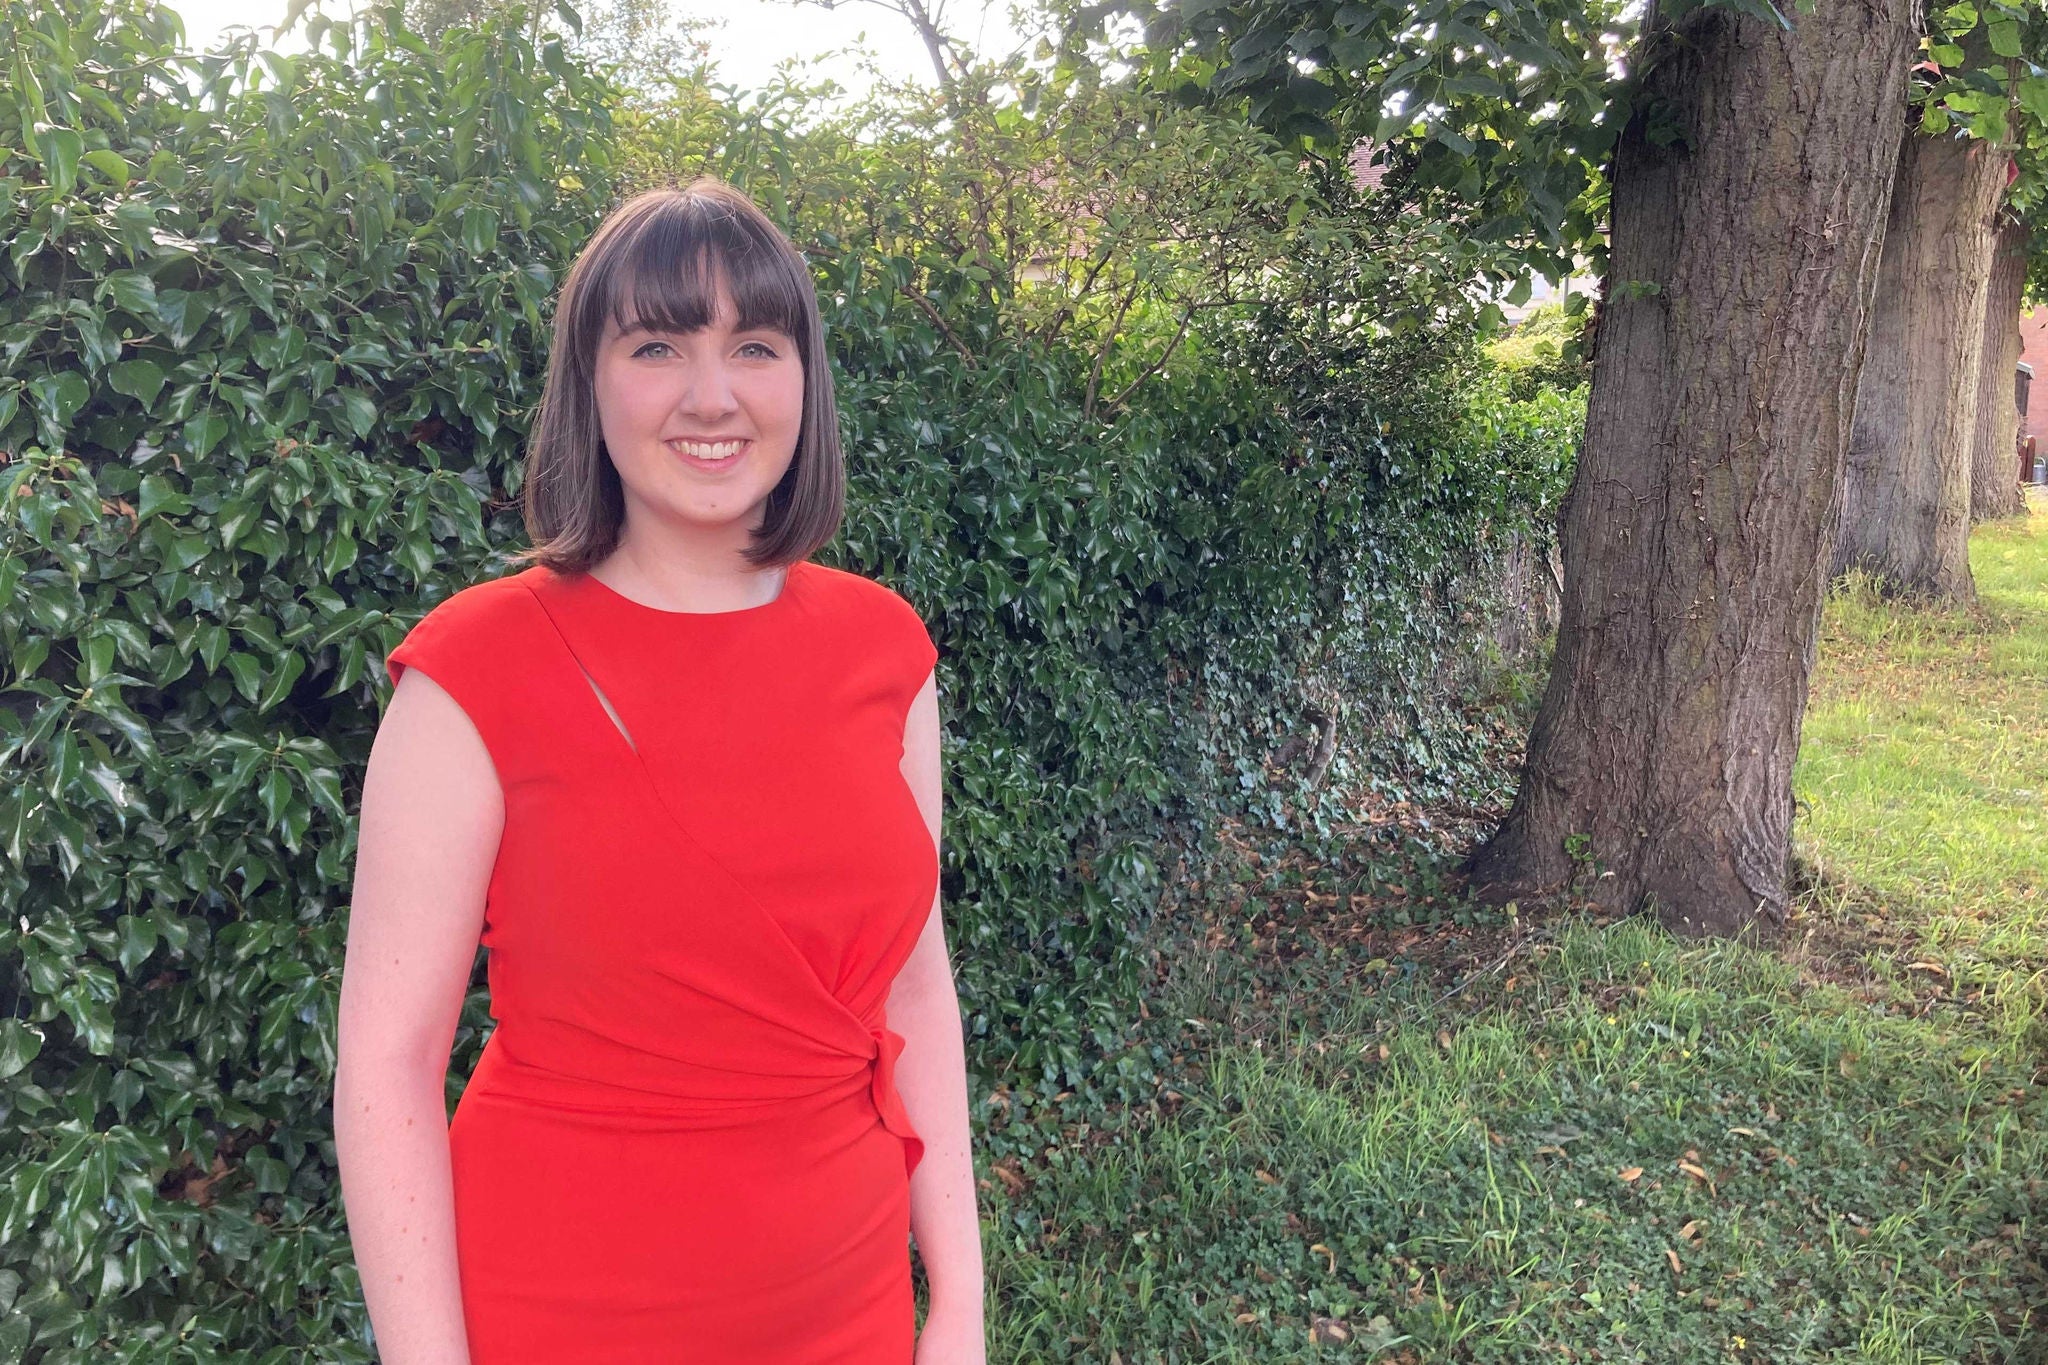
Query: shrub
column 1543, row 351
column 275, row 327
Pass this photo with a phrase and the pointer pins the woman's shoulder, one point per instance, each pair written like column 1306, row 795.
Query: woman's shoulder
column 491, row 600
column 877, row 616
column 477, row 620
column 860, row 593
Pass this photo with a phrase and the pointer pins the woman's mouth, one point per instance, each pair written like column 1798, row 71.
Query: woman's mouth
column 709, row 454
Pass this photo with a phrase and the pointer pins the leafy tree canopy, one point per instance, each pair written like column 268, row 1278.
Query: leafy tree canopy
column 1499, row 117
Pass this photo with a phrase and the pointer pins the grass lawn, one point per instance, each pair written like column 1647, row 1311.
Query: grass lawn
column 1370, row 1121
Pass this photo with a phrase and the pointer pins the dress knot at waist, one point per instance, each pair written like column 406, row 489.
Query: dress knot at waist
column 888, row 1103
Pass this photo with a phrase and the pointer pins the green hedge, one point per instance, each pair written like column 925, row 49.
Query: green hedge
column 1544, row 351
column 274, row 328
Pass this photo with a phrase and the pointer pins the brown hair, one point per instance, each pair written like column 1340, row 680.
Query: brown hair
column 657, row 260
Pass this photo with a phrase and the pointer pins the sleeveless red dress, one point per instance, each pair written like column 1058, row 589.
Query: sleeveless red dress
column 683, row 1140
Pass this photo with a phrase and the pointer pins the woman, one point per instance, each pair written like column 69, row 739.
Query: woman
column 684, row 784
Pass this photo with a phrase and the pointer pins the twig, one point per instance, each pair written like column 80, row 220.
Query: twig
column 1102, row 356
column 1066, row 309
column 1506, row 957
column 917, row 297
column 1461, row 811
column 1154, row 368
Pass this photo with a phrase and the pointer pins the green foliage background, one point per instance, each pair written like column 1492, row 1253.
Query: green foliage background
column 273, row 328
column 1545, row 349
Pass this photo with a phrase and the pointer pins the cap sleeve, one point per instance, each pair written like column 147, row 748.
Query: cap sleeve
column 913, row 642
column 462, row 644
column 923, row 653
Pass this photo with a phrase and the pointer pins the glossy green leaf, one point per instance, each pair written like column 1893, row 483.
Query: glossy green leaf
column 111, row 165
column 19, row 1045
column 60, row 150
column 142, row 380
column 360, row 411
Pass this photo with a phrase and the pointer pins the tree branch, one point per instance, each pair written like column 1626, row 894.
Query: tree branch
column 917, row 297
column 1187, row 315
column 921, row 19
column 1066, row 310
column 1102, row 355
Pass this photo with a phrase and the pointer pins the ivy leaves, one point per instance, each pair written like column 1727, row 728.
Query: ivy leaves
column 270, row 363
column 269, row 350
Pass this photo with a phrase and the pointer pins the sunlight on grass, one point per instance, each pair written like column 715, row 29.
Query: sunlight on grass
column 1923, row 770
column 1619, row 1145
column 1654, row 1149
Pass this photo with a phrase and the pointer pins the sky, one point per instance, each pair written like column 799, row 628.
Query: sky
column 754, row 37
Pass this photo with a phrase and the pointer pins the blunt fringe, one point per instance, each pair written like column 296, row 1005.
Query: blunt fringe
column 657, row 260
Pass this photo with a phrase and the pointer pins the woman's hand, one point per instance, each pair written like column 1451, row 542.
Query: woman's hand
column 951, row 1338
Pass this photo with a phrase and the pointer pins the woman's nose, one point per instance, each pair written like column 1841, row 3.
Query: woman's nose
column 708, row 390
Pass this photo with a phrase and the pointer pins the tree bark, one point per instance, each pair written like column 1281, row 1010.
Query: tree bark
column 1995, row 462
column 1904, row 516
column 1743, row 258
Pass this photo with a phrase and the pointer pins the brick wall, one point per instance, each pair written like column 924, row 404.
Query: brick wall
column 2034, row 354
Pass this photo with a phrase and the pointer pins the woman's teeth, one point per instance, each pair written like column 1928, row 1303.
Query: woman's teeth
column 718, row 451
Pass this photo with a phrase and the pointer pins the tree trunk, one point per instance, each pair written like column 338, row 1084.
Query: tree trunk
column 1904, row 516
column 1995, row 462
column 1750, row 187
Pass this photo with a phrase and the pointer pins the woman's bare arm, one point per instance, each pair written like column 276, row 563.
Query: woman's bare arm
column 931, row 1076
column 431, row 818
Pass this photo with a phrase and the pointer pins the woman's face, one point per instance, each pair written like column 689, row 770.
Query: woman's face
column 701, row 425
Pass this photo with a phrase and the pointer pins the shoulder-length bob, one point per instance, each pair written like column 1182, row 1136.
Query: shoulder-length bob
column 657, row 260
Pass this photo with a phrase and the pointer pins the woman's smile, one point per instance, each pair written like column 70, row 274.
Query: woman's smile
column 709, row 454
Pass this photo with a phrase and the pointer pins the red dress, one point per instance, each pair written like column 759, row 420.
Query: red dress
column 683, row 1141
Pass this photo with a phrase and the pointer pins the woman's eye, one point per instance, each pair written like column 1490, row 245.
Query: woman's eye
column 766, row 351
